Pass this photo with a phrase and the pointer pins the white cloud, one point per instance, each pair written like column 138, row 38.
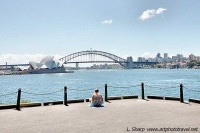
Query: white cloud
column 147, row 14
column 22, row 59
column 160, row 10
column 107, row 21
column 151, row 13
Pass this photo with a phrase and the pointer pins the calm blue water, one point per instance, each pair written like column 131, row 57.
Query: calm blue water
column 163, row 82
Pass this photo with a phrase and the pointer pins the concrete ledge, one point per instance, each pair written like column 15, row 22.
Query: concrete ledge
column 76, row 101
column 52, row 103
column 172, row 98
column 114, row 98
column 7, row 107
column 30, row 104
column 194, row 101
column 117, row 98
column 155, row 97
column 87, row 99
column 129, row 97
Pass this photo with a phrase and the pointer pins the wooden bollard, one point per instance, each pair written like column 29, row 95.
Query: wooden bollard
column 181, row 93
column 142, row 87
column 106, row 93
column 18, row 99
column 65, row 96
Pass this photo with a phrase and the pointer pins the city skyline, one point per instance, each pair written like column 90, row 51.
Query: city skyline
column 21, row 59
column 34, row 29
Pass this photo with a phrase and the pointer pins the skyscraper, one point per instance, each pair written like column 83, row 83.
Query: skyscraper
column 158, row 55
column 165, row 55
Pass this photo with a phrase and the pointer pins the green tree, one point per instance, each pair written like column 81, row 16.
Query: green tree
column 193, row 63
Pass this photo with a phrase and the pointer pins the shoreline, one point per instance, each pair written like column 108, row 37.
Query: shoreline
column 3, row 73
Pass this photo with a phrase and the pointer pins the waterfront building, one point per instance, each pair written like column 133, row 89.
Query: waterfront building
column 165, row 55
column 160, row 60
column 198, row 58
column 183, row 65
column 192, row 57
column 139, row 59
column 151, row 60
column 168, row 65
column 167, row 59
column 179, row 57
column 174, row 58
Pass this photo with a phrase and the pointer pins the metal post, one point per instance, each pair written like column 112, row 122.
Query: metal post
column 142, row 86
column 18, row 99
column 65, row 96
column 106, row 93
column 181, row 93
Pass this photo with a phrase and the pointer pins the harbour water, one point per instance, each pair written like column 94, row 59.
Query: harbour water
column 48, row 87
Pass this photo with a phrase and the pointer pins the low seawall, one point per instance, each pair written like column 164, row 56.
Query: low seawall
column 25, row 105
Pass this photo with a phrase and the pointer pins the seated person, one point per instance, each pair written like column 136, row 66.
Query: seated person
column 97, row 99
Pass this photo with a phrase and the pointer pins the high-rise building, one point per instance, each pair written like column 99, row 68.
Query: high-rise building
column 158, row 55
column 141, row 59
column 165, row 55
column 179, row 57
column 198, row 58
column 192, row 57
column 174, row 58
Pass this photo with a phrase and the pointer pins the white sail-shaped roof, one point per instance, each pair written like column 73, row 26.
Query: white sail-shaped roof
column 43, row 67
column 47, row 62
column 35, row 65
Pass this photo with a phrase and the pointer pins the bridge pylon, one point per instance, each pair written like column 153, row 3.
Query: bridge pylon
column 77, row 65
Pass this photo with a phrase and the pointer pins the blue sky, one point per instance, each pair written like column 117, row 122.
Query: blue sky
column 123, row 27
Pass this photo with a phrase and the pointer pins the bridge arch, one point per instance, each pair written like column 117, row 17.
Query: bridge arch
column 114, row 58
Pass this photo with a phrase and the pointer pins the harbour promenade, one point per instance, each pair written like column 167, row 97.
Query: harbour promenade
column 118, row 116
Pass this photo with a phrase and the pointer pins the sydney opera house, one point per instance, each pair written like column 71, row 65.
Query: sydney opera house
column 47, row 65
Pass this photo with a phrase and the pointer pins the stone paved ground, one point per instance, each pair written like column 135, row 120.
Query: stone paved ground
column 120, row 116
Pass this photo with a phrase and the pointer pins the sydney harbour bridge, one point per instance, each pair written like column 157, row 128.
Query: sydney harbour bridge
column 92, row 56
